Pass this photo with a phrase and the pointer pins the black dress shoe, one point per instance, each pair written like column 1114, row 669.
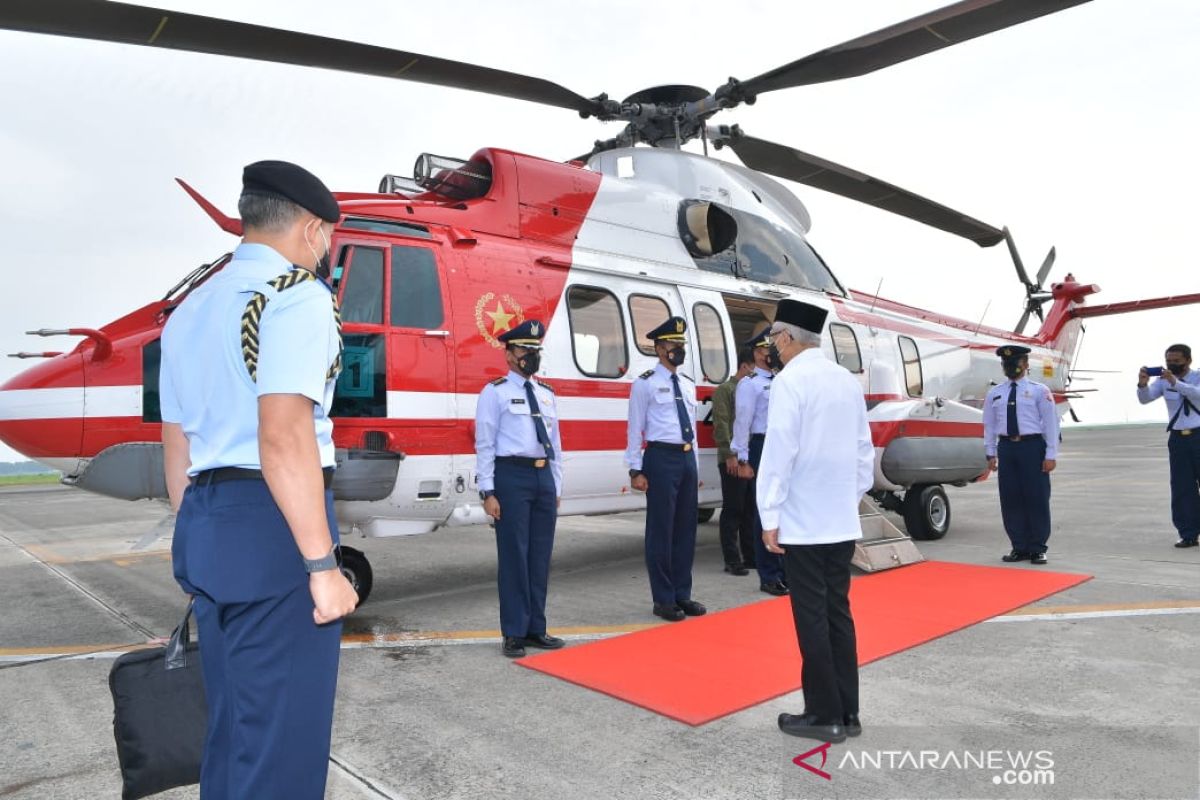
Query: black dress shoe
column 736, row 569
column 1015, row 555
column 852, row 725
column 692, row 608
column 1037, row 558
column 543, row 641
column 775, row 587
column 514, row 647
column 671, row 613
column 1188, row 543
column 806, row 725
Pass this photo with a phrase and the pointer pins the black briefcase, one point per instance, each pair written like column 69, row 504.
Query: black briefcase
column 159, row 715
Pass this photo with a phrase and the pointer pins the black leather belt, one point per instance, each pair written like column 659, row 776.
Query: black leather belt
column 222, row 474
column 1185, row 431
column 754, row 436
column 523, row 461
column 1019, row 438
column 685, row 447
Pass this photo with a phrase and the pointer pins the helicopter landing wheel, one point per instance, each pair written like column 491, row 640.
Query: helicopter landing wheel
column 926, row 512
column 358, row 571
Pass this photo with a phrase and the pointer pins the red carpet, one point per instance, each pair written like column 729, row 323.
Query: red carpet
column 706, row 667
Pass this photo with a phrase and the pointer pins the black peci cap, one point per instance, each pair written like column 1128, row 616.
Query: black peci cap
column 291, row 182
column 802, row 315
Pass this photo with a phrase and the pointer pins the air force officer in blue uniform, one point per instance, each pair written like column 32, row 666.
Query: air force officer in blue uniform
column 751, row 402
column 248, row 367
column 518, row 464
column 1020, row 437
column 1179, row 387
column 662, row 415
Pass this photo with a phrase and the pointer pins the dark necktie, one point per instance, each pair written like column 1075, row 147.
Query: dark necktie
column 536, row 411
column 685, row 424
column 1014, row 428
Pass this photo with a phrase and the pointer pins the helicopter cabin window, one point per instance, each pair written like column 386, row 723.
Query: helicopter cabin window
column 151, row 361
column 845, row 346
column 387, row 226
column 647, row 313
column 359, row 275
column 597, row 332
column 761, row 250
column 710, row 339
column 912, row 366
column 416, row 290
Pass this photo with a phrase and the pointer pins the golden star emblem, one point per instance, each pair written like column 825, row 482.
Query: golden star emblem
column 501, row 319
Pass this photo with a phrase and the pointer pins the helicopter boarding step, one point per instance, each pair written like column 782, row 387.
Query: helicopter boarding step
column 883, row 545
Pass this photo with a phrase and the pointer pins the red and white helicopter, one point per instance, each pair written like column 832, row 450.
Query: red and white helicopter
column 430, row 269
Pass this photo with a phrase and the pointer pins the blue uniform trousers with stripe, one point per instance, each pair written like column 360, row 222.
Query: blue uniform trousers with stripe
column 671, row 513
column 769, row 565
column 1024, row 493
column 1184, row 452
column 524, row 541
column 270, row 672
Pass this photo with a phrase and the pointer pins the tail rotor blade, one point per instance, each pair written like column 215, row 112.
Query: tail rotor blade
column 1045, row 270
column 1016, row 257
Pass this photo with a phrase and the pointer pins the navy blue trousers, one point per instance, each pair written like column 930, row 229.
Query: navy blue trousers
column 769, row 565
column 1024, row 493
column 524, row 541
column 1184, row 452
column 670, row 522
column 270, row 672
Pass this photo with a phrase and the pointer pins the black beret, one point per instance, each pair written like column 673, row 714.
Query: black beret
column 528, row 334
column 1012, row 352
column 291, row 182
column 802, row 315
column 670, row 331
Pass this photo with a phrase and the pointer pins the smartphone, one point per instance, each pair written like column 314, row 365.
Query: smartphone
column 1154, row 372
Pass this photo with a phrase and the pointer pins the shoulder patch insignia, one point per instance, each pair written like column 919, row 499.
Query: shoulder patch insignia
column 289, row 279
column 646, row 374
column 498, row 381
column 689, row 377
column 544, row 385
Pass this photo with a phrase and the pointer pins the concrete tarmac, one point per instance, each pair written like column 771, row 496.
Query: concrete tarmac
column 428, row 708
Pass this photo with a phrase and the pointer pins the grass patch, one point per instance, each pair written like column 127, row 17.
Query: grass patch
column 29, row 480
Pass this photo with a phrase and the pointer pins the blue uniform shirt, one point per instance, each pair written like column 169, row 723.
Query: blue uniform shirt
column 504, row 427
column 1035, row 414
column 1188, row 386
column 751, row 402
column 204, row 385
column 653, row 416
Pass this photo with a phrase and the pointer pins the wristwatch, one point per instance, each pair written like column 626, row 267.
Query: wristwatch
column 486, row 495
column 633, row 473
column 325, row 563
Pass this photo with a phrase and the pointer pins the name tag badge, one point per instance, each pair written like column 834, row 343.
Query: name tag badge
column 517, row 401
column 664, row 388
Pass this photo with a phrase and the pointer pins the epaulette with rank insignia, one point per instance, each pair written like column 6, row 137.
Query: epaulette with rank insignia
column 544, row 385
column 498, row 381
column 689, row 377
column 646, row 374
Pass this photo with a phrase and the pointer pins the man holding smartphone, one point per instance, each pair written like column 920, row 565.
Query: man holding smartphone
column 1179, row 386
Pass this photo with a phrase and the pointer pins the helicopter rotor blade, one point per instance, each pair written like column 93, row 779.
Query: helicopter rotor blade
column 1045, row 269
column 153, row 27
column 1016, row 257
column 1020, row 329
column 906, row 40
column 795, row 165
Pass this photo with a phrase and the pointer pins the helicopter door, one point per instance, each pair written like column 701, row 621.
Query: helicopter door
column 420, row 370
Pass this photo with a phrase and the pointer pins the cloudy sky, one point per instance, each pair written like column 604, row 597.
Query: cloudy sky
column 1078, row 130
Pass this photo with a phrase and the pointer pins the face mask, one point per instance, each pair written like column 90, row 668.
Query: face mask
column 529, row 363
column 1013, row 370
column 1177, row 369
column 675, row 357
column 322, row 266
column 774, row 360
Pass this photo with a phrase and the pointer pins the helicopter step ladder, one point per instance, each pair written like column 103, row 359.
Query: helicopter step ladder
column 883, row 546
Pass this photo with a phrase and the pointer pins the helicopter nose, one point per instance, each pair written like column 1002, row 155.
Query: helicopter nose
column 42, row 410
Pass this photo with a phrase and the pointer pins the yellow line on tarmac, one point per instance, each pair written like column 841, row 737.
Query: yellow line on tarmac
column 1144, row 606
column 52, row 556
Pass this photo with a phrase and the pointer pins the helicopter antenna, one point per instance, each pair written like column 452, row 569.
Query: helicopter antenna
column 981, row 316
column 875, row 299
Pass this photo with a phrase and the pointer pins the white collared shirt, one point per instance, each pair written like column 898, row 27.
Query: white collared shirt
column 818, row 460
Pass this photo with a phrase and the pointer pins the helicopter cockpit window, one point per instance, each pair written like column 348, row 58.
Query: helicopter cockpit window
column 360, row 274
column 749, row 246
column 386, row 226
column 416, row 290
column 597, row 332
column 647, row 314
